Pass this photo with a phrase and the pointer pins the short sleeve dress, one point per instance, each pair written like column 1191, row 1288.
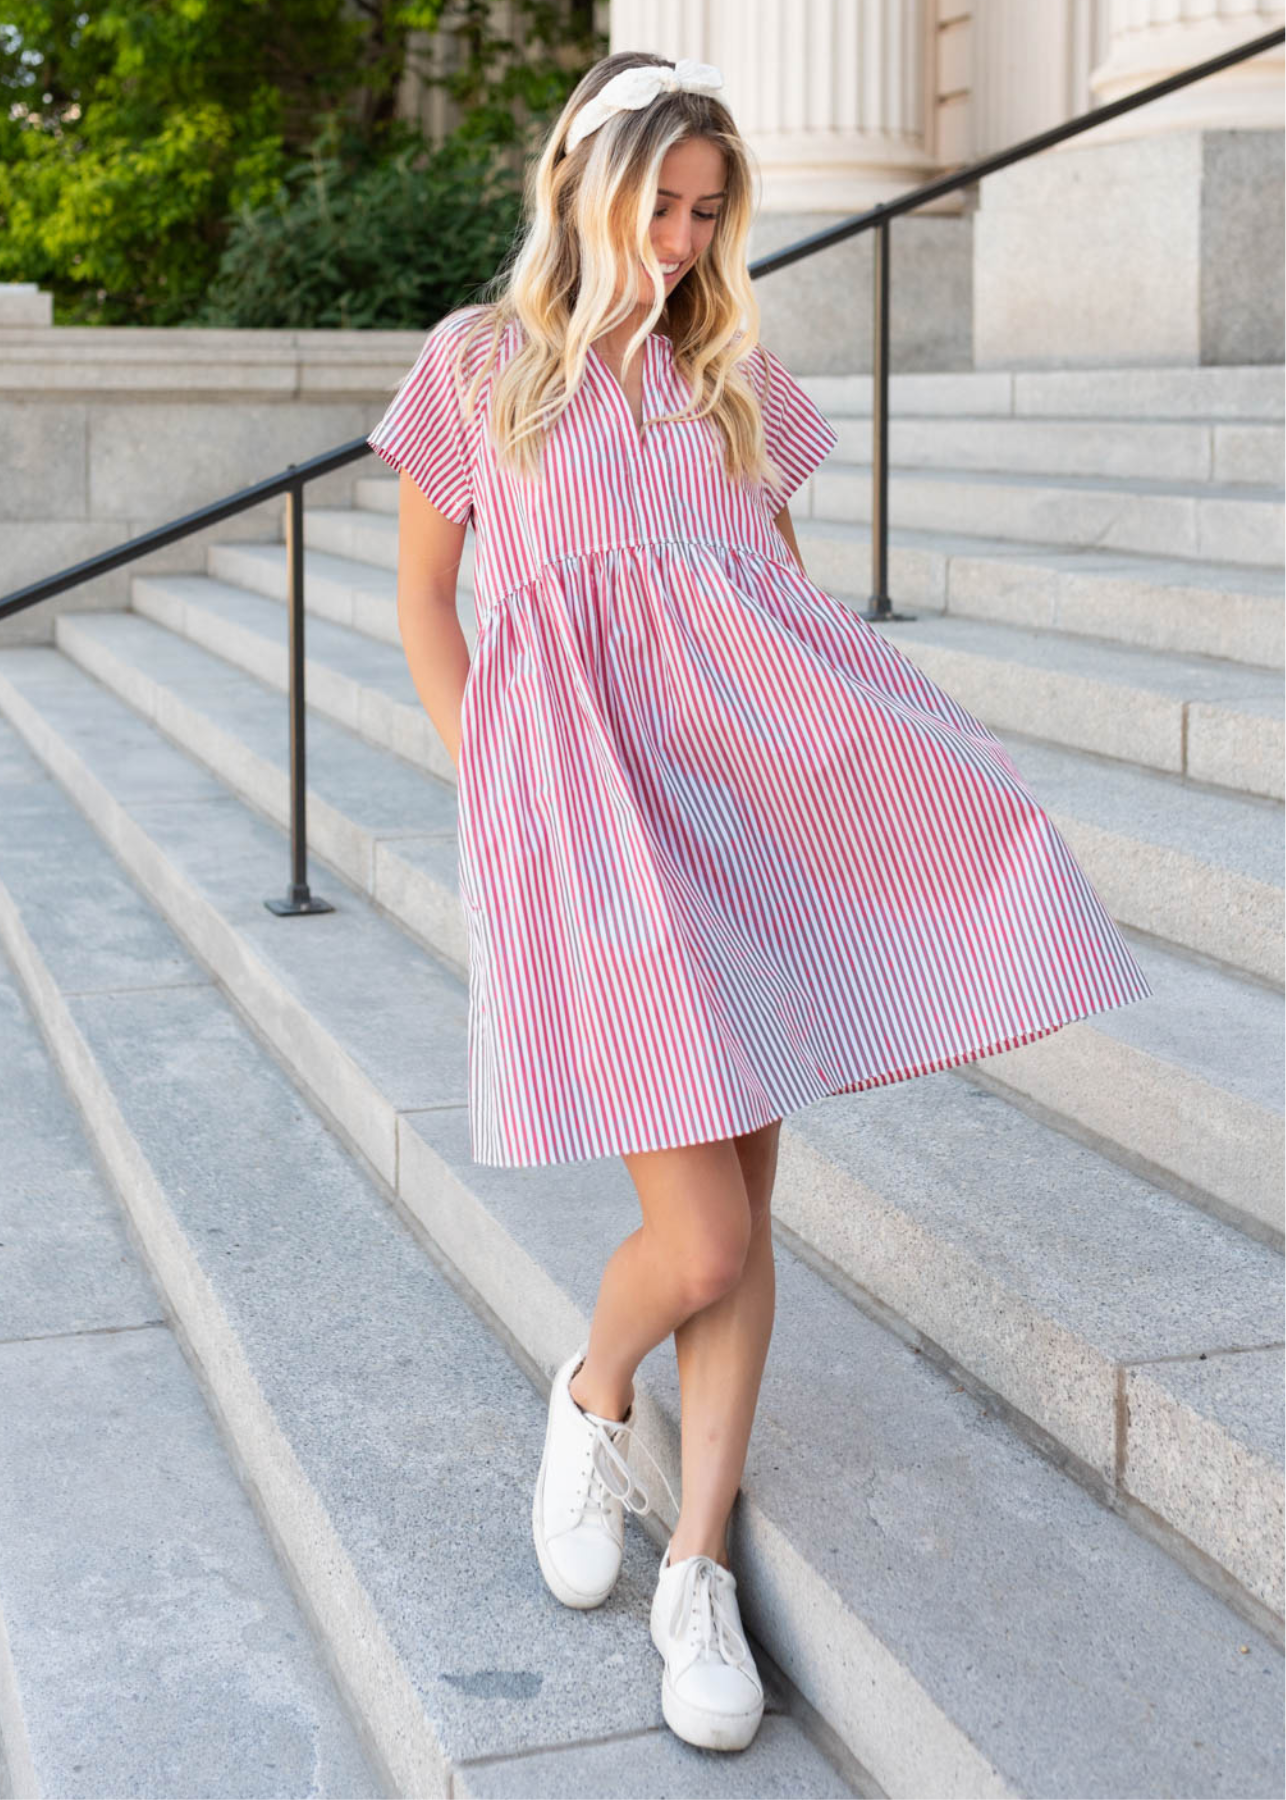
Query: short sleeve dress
column 723, row 849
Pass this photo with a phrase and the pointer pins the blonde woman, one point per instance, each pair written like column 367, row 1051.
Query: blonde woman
column 723, row 849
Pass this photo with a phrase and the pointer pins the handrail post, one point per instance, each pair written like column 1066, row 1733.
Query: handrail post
column 880, row 606
column 298, row 898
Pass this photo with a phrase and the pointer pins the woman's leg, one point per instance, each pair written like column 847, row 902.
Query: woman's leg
column 722, row 1351
column 700, row 1266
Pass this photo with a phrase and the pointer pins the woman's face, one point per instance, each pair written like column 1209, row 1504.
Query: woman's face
column 689, row 197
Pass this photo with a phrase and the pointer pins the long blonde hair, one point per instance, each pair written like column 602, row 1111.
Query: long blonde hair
column 588, row 225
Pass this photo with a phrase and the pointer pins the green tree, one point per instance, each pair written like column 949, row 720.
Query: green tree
column 146, row 145
column 128, row 133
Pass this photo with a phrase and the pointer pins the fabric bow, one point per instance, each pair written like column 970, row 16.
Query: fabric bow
column 632, row 88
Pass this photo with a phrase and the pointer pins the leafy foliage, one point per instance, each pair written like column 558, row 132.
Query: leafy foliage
column 392, row 245
column 165, row 162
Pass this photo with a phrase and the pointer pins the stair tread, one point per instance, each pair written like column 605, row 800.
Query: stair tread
column 963, row 1552
column 436, row 1527
column 1238, row 453
column 1165, row 572
column 1164, row 673
column 1247, row 493
column 1096, row 422
column 349, row 652
column 365, row 576
column 1182, row 392
column 117, row 1499
column 1212, row 1024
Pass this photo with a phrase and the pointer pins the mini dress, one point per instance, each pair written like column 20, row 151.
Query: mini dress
column 723, row 849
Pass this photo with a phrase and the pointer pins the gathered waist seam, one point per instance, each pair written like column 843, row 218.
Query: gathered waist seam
column 557, row 562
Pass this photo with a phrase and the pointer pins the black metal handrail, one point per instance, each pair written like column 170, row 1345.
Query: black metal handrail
column 293, row 479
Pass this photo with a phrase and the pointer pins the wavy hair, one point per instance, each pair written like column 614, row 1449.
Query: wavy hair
column 588, row 217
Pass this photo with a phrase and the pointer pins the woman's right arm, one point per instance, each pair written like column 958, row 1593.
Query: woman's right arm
column 429, row 549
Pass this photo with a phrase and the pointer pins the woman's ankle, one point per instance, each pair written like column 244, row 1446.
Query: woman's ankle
column 603, row 1401
column 683, row 1544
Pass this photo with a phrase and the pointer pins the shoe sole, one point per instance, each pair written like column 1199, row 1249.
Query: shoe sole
column 696, row 1725
column 569, row 1596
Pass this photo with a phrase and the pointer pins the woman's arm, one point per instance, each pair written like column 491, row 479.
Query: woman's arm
column 429, row 548
column 787, row 530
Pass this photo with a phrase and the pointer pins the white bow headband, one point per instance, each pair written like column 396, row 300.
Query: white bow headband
column 630, row 89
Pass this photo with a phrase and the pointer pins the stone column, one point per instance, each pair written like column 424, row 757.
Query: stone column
column 834, row 98
column 1150, row 39
column 1030, row 66
column 831, row 94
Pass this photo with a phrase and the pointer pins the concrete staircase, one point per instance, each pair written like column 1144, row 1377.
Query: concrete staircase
column 1012, row 1516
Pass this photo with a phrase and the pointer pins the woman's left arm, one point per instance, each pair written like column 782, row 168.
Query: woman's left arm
column 787, row 530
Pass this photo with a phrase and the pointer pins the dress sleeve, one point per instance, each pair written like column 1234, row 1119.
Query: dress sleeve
column 424, row 432
column 798, row 435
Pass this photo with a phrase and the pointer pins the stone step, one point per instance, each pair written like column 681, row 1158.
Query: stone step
column 1197, row 868
column 1231, row 452
column 905, row 1557
column 1170, row 1283
column 383, row 1427
column 368, row 535
column 152, row 1644
column 1188, row 1093
column 1244, row 393
column 1190, row 608
column 336, row 588
column 1208, row 521
column 1227, row 610
column 1212, row 722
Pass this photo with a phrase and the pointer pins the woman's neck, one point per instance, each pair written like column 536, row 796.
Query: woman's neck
column 615, row 340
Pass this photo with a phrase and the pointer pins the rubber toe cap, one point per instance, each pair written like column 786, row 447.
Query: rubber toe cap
column 717, row 1687
column 586, row 1560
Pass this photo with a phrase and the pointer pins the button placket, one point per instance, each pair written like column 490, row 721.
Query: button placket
column 651, row 491
column 638, row 440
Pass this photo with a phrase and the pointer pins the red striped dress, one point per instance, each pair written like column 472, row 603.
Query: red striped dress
column 723, row 849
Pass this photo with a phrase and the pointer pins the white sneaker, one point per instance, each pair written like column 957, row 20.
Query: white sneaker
column 582, row 1492
column 711, row 1694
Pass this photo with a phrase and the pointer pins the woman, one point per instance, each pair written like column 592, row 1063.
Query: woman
column 723, row 849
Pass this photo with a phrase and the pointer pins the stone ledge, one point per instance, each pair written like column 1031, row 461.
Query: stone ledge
column 101, row 361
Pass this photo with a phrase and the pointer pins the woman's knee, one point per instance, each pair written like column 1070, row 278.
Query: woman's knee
column 697, row 1216
column 711, row 1267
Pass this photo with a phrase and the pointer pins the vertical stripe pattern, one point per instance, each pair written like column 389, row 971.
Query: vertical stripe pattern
column 724, row 850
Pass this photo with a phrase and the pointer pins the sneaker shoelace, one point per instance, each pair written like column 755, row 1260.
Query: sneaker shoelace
column 607, row 1467
column 704, row 1604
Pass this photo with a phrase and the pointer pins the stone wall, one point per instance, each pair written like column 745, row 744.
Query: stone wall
column 107, row 432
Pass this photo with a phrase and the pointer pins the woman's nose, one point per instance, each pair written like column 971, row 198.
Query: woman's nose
column 675, row 246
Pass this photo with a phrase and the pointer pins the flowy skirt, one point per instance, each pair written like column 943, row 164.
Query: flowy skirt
column 724, row 850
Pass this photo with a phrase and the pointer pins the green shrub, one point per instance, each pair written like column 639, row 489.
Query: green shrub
column 395, row 244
